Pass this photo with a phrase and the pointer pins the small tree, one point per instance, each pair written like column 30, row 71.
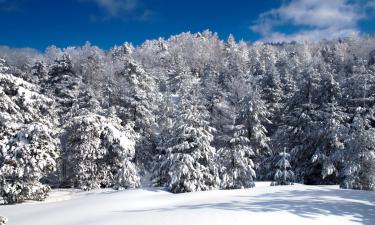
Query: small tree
column 283, row 175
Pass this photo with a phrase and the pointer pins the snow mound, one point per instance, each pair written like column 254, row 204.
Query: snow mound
column 296, row 204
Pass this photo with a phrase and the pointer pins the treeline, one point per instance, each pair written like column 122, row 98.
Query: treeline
column 189, row 113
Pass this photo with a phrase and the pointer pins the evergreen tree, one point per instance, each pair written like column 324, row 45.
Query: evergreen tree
column 39, row 73
column 113, row 116
column 254, row 115
column 24, row 161
column 28, row 147
column 187, row 162
column 359, row 157
column 301, row 126
column 237, row 167
column 283, row 175
column 332, row 132
column 63, row 83
column 100, row 154
column 138, row 99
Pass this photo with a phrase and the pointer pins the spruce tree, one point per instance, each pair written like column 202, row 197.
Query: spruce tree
column 235, row 160
column 283, row 174
column 254, row 115
column 187, row 162
column 359, row 157
column 28, row 145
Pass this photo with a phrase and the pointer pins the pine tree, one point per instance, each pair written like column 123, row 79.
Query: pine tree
column 235, row 62
column 237, row 167
column 24, row 161
column 139, row 96
column 4, row 68
column 83, row 152
column 120, row 143
column 272, row 89
column 63, row 83
column 301, row 125
column 272, row 94
column 138, row 99
column 283, row 174
column 332, row 132
column 39, row 73
column 100, row 154
column 359, row 158
column 254, row 115
column 187, row 162
column 28, row 147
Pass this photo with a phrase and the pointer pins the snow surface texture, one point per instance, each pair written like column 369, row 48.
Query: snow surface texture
column 295, row 204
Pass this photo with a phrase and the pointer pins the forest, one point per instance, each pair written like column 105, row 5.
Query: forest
column 188, row 113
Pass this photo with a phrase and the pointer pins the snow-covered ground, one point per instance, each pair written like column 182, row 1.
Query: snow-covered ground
column 297, row 204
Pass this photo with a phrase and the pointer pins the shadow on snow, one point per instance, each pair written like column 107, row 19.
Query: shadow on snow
column 308, row 203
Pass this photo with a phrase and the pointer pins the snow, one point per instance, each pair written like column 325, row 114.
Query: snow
column 296, row 204
column 125, row 142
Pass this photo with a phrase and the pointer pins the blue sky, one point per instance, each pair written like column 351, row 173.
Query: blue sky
column 40, row 23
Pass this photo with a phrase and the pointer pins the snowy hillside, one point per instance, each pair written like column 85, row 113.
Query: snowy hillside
column 297, row 204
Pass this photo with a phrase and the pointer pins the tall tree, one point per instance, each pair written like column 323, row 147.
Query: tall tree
column 235, row 160
column 254, row 115
column 359, row 157
column 187, row 161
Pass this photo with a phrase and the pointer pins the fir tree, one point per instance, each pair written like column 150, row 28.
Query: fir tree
column 100, row 154
column 28, row 146
column 24, row 161
column 254, row 115
column 237, row 167
column 187, row 162
column 283, row 174
column 359, row 158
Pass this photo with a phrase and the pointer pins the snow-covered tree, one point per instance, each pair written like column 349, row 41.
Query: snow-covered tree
column 100, row 154
column 39, row 73
column 235, row 160
column 63, row 83
column 254, row 115
column 120, row 142
column 139, row 95
column 166, row 96
column 359, row 158
column 300, row 130
column 24, row 161
column 187, row 161
column 28, row 147
column 283, row 174
column 137, row 101
column 331, row 133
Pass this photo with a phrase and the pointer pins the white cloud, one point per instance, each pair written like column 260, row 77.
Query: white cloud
column 116, row 8
column 313, row 19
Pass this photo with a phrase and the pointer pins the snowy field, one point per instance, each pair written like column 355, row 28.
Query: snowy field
column 298, row 204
